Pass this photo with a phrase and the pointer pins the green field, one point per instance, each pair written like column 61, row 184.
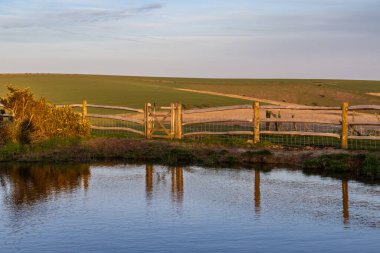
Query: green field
column 299, row 91
column 108, row 90
column 135, row 91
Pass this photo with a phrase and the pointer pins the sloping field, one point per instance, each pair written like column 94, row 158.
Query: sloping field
column 135, row 91
column 109, row 90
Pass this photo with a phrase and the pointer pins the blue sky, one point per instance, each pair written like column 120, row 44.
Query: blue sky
column 198, row 38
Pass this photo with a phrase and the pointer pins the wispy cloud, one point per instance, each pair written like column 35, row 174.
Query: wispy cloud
column 32, row 17
column 97, row 15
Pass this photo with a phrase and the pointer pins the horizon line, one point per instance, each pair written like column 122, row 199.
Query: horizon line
column 186, row 77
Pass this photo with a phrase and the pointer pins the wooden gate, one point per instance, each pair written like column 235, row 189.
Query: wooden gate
column 163, row 122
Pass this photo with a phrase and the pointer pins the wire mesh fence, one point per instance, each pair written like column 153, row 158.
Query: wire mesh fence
column 114, row 128
column 302, row 127
column 294, row 126
column 364, row 129
column 287, row 126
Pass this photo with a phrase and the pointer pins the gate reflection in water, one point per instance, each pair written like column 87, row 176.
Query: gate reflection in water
column 176, row 175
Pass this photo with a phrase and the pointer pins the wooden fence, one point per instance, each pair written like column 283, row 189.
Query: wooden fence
column 169, row 122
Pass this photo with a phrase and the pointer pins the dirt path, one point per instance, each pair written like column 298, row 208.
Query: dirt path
column 306, row 115
column 268, row 101
column 376, row 94
column 333, row 117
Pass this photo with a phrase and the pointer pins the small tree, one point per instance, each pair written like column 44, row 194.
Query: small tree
column 36, row 119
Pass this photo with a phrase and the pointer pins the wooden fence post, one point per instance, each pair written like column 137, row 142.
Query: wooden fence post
column 178, row 121
column 148, row 121
column 84, row 111
column 344, row 136
column 256, row 122
column 173, row 120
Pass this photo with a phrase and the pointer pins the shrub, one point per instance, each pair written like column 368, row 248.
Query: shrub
column 35, row 119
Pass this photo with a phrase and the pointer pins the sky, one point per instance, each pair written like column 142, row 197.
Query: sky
column 198, row 38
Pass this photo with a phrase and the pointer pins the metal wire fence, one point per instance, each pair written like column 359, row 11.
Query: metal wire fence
column 294, row 126
column 114, row 128
column 287, row 127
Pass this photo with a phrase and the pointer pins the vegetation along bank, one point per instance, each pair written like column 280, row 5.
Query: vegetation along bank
column 360, row 165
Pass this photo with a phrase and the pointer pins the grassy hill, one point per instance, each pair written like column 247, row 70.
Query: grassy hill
column 135, row 91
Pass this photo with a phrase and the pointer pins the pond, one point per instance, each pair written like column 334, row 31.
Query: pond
column 134, row 208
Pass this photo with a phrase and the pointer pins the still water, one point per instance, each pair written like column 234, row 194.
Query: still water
column 130, row 208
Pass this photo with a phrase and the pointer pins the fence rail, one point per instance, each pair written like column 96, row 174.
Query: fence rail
column 105, row 107
column 344, row 127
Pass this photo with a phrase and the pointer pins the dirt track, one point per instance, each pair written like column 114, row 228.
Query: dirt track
column 374, row 94
column 333, row 117
column 268, row 101
column 300, row 115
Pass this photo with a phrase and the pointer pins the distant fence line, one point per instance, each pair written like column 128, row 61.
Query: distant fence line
column 254, row 121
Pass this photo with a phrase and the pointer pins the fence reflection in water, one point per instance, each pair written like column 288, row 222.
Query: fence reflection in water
column 257, row 192
column 257, row 196
column 177, row 189
column 346, row 212
column 31, row 185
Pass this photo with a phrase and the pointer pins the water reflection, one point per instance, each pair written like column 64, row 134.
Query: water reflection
column 145, row 208
column 346, row 213
column 257, row 192
column 257, row 197
column 177, row 184
column 29, row 185
column 149, row 181
column 176, row 175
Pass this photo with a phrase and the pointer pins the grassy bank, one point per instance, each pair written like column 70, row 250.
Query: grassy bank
column 362, row 166
column 342, row 164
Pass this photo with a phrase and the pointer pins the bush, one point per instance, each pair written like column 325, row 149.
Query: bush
column 36, row 120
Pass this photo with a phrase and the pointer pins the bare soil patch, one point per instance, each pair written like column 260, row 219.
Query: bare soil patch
column 268, row 101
